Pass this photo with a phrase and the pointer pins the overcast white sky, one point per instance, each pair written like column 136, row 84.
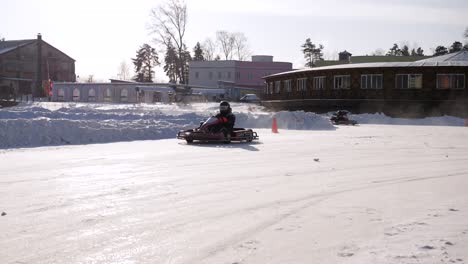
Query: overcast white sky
column 99, row 34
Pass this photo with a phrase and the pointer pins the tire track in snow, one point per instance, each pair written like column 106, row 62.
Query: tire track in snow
column 310, row 200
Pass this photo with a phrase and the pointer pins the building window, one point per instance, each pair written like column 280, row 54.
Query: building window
column 61, row 94
column 319, row 82
column 342, row 82
column 238, row 75
column 409, row 81
column 91, row 95
column 124, row 95
column 270, row 88
column 371, row 81
column 229, row 75
column 210, row 75
column 301, row 84
column 287, row 86
column 277, row 87
column 450, row 81
column 76, row 94
column 249, row 76
column 220, row 75
column 196, row 75
column 108, row 95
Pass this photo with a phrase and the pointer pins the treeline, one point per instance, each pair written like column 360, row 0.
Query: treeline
column 314, row 52
column 168, row 26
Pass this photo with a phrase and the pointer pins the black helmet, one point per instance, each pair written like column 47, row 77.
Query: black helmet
column 224, row 107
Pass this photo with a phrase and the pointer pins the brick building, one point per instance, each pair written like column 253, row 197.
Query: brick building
column 23, row 71
column 434, row 86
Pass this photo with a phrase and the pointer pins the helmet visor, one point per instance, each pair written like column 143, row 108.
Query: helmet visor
column 223, row 108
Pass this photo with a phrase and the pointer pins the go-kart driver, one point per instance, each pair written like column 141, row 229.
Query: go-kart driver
column 226, row 119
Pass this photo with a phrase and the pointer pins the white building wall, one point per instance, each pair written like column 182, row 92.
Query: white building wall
column 208, row 73
column 116, row 89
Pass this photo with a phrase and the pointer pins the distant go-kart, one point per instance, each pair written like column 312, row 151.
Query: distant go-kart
column 341, row 118
column 205, row 133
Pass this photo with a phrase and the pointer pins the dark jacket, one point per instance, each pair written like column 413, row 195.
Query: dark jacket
column 227, row 120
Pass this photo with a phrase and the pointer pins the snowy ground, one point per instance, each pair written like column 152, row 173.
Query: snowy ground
column 323, row 194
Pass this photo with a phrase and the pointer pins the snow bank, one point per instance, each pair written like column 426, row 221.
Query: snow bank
column 45, row 124
column 428, row 121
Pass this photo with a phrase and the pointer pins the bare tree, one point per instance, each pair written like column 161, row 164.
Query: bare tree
column 168, row 23
column 466, row 33
column 209, row 49
column 90, row 78
column 123, row 71
column 240, row 46
column 226, row 43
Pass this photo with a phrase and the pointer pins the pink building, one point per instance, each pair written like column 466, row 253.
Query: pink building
column 236, row 74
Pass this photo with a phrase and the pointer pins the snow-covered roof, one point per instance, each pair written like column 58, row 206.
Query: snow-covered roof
column 454, row 59
column 9, row 45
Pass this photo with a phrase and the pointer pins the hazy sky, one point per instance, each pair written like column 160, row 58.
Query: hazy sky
column 100, row 34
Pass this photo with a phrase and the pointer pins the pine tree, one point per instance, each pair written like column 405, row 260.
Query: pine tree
column 184, row 59
column 456, row 46
column 145, row 61
column 312, row 53
column 198, row 53
column 413, row 52
column 394, row 51
column 170, row 63
column 420, row 52
column 440, row 50
column 405, row 51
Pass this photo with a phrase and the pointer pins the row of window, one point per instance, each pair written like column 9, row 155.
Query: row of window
column 227, row 75
column 92, row 95
column 369, row 81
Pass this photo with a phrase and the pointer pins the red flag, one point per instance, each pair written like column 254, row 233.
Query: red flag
column 50, row 88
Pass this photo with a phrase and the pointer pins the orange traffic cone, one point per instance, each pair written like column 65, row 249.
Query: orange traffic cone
column 274, row 126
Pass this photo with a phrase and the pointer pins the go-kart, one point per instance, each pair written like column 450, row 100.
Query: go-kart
column 208, row 132
column 341, row 118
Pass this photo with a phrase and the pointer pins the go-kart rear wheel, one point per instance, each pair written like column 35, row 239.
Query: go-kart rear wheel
column 189, row 140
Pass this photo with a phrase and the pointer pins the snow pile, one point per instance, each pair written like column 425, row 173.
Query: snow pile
column 428, row 121
column 44, row 124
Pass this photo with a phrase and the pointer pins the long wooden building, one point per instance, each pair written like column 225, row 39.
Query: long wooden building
column 27, row 65
column 434, row 86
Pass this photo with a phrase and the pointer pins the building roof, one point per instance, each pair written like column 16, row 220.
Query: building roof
column 9, row 45
column 456, row 56
column 459, row 59
column 369, row 59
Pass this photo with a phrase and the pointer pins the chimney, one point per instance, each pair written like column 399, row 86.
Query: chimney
column 345, row 56
column 38, row 84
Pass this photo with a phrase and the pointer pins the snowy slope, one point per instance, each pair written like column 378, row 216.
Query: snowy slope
column 45, row 123
column 364, row 194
